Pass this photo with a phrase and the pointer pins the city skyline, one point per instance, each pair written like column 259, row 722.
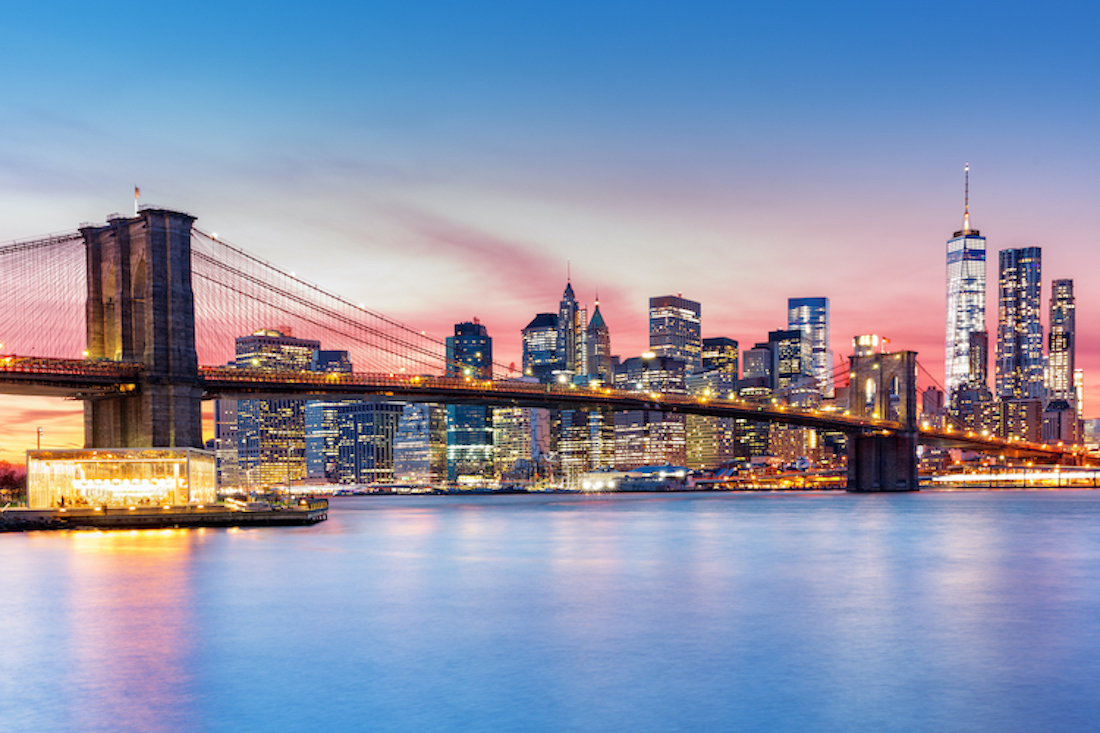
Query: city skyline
column 448, row 165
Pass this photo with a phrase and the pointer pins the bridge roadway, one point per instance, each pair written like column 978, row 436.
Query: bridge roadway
column 87, row 379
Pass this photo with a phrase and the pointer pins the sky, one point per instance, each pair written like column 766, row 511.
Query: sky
column 442, row 161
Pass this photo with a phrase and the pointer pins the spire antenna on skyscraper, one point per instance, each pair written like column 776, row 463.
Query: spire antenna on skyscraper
column 966, row 209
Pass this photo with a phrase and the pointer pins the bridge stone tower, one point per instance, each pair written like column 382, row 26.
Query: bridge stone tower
column 884, row 386
column 141, row 309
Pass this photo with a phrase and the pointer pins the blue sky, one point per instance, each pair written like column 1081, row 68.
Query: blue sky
column 444, row 160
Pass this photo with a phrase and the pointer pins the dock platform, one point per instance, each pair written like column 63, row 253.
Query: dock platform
column 230, row 514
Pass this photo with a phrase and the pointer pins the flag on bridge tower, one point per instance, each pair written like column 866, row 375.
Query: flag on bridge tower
column 137, row 193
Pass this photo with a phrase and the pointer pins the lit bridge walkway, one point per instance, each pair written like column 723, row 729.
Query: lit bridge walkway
column 83, row 379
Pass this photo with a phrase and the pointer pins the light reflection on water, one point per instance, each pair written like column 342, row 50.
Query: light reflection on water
column 827, row 612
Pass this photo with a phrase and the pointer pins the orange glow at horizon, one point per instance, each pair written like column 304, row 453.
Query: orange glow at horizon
column 62, row 423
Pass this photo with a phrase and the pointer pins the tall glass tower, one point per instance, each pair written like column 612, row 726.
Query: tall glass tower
column 965, row 299
column 811, row 317
column 1019, row 329
column 1060, row 343
column 469, row 427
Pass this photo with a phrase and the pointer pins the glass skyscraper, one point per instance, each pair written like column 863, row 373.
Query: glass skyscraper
column 541, row 353
column 271, row 434
column 1019, row 329
column 965, row 299
column 1061, row 343
column 811, row 317
column 675, row 329
column 469, row 427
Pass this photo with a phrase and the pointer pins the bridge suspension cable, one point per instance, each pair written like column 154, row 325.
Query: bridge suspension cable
column 43, row 283
column 237, row 294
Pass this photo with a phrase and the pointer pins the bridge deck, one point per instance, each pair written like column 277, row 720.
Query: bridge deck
column 87, row 378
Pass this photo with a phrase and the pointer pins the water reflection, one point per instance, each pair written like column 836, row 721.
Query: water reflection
column 826, row 612
column 115, row 627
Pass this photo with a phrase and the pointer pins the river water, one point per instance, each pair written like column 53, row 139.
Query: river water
column 935, row 611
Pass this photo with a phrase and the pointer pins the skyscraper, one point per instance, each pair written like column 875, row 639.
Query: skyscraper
column 1062, row 411
column 811, row 317
column 469, row 427
column 541, row 355
column 965, row 298
column 721, row 354
column 1060, row 343
column 675, row 329
column 567, row 330
column 420, row 444
column 791, row 357
column 271, row 434
column 650, row 437
column 599, row 347
column 758, row 364
column 711, row 441
column 322, row 440
column 1019, row 329
column 365, row 443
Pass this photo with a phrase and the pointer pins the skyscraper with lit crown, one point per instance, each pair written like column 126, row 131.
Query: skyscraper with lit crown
column 965, row 298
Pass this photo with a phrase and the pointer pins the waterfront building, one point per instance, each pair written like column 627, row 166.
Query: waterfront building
column 420, row 445
column 586, row 442
column 469, row 427
column 965, row 298
column 521, row 442
column 541, row 357
column 710, row 441
column 650, row 437
column 1021, row 419
column 794, row 445
column 721, row 354
column 271, row 434
column 1019, row 330
column 225, row 443
column 599, row 347
column 811, row 317
column 351, row 441
column 120, row 478
column 366, row 432
column 675, row 329
column 322, row 441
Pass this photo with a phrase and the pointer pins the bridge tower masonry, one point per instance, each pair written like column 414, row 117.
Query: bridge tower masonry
column 141, row 309
column 884, row 386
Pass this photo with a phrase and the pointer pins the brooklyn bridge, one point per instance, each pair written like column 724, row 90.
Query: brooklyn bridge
column 136, row 316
